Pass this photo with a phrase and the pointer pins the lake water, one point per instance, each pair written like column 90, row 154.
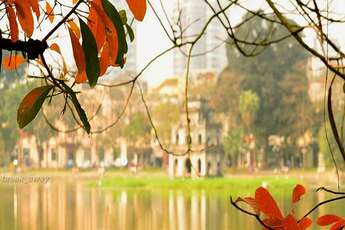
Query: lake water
column 72, row 205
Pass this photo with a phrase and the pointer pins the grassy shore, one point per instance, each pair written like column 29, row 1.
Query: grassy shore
column 156, row 179
column 235, row 184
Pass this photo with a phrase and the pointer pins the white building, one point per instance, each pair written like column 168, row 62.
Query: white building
column 194, row 16
column 206, row 157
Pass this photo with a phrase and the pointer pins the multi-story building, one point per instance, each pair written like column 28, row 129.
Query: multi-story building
column 210, row 51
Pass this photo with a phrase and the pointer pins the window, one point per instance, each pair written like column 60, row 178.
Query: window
column 188, row 166
column 177, row 139
column 200, row 139
column 53, row 155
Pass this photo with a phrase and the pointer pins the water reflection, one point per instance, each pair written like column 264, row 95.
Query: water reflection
column 71, row 205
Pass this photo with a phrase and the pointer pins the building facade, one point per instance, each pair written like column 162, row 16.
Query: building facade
column 212, row 47
column 206, row 157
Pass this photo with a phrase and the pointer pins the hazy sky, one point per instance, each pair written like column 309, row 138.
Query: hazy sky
column 152, row 40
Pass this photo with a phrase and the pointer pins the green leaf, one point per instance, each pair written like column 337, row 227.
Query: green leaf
column 130, row 32
column 123, row 16
column 115, row 17
column 78, row 108
column 31, row 105
column 91, row 54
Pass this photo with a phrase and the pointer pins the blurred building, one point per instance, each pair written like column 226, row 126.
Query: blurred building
column 206, row 157
column 67, row 149
column 210, row 51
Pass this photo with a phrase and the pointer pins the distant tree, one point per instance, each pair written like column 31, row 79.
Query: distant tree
column 226, row 94
column 277, row 75
column 165, row 115
column 327, row 146
column 138, row 129
column 249, row 105
column 233, row 144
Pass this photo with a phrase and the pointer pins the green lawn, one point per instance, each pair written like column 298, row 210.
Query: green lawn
column 235, row 185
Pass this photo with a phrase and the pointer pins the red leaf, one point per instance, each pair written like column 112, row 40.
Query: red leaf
column 339, row 225
column 138, row 8
column 110, row 33
column 290, row 223
column 305, row 223
column 35, row 7
column 12, row 62
column 274, row 223
column 78, row 54
column 11, row 14
column 104, row 60
column 81, row 77
column 96, row 24
column 298, row 191
column 267, row 204
column 25, row 16
column 327, row 219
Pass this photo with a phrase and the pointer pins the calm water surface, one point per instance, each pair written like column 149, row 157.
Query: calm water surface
column 71, row 205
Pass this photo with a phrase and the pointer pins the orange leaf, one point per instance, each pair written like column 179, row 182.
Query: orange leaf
column 96, row 25
column 110, row 33
column 25, row 16
column 12, row 62
column 35, row 7
column 267, row 204
column 298, row 191
column 305, row 223
column 251, row 202
column 273, row 223
column 290, row 223
column 55, row 47
column 327, row 219
column 339, row 225
column 78, row 54
column 138, row 8
column 13, row 23
column 50, row 12
column 75, row 28
column 104, row 60
column 81, row 77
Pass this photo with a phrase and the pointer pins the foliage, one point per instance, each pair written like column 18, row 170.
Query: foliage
column 327, row 146
column 137, row 129
column 165, row 115
column 264, row 203
column 226, row 93
column 233, row 142
column 278, row 77
column 99, row 26
column 336, row 221
column 249, row 105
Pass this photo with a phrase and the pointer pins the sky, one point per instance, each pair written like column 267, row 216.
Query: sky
column 151, row 39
